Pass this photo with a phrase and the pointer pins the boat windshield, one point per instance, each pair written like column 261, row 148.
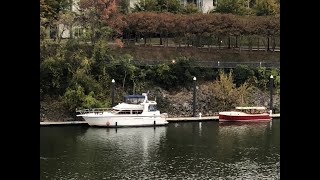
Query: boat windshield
column 253, row 111
column 134, row 99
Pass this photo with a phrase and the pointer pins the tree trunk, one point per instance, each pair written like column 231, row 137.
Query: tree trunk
column 240, row 44
column 209, row 42
column 229, row 42
column 167, row 40
column 250, row 43
column 124, row 79
column 258, row 44
column 60, row 37
column 233, row 43
column 134, row 88
column 219, row 43
column 125, row 39
column 265, row 45
column 160, row 38
column 268, row 49
column 274, row 44
column 236, row 41
column 192, row 41
column 71, row 32
column 92, row 36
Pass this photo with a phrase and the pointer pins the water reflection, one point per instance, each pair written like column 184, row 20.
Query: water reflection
column 206, row 150
column 249, row 149
column 98, row 152
column 129, row 141
column 243, row 128
column 240, row 140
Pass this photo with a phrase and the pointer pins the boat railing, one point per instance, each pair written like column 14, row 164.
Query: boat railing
column 94, row 110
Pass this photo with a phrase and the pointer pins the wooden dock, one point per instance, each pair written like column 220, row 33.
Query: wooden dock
column 207, row 118
column 177, row 119
column 63, row 123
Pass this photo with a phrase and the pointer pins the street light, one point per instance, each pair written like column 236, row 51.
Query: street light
column 112, row 92
column 271, row 93
column 194, row 96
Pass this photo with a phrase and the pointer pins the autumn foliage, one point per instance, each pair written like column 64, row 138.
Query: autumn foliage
column 102, row 7
column 198, row 23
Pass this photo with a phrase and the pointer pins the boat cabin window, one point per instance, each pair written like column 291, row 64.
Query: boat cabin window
column 115, row 111
column 152, row 107
column 124, row 112
column 136, row 111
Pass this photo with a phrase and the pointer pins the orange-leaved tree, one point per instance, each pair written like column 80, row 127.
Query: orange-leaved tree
column 98, row 17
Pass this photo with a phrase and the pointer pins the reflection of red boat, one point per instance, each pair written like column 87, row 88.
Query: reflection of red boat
column 245, row 114
column 244, row 123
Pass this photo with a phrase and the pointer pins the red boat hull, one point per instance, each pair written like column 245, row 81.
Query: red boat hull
column 244, row 118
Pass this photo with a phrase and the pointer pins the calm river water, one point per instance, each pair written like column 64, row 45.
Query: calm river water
column 185, row 150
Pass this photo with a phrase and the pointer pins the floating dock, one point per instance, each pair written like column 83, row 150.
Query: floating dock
column 275, row 115
column 206, row 118
column 63, row 123
column 177, row 119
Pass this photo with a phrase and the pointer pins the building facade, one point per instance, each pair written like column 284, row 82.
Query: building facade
column 204, row 6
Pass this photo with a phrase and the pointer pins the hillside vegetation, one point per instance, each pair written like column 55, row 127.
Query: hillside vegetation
column 76, row 73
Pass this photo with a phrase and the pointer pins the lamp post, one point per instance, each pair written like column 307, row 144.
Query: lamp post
column 271, row 93
column 194, row 96
column 112, row 92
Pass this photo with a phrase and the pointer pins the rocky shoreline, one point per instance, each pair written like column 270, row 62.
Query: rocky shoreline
column 180, row 104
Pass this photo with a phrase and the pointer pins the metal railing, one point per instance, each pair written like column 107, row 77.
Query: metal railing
column 94, row 110
column 211, row 64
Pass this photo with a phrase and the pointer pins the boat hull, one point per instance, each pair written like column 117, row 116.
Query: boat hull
column 242, row 117
column 107, row 121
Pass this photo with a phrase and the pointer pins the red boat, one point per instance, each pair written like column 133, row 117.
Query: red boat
column 245, row 114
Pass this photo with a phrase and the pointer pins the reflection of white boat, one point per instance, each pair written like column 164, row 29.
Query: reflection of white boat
column 137, row 110
column 126, row 136
column 140, row 141
column 245, row 114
